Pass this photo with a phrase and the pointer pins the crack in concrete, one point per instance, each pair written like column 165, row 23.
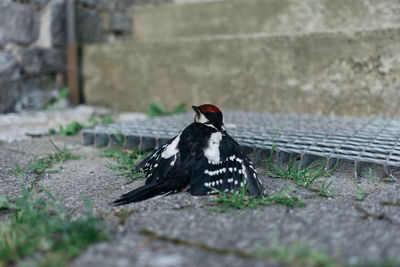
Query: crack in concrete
column 395, row 203
column 376, row 216
column 197, row 245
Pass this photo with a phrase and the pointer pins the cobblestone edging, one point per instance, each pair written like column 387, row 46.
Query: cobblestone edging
column 369, row 140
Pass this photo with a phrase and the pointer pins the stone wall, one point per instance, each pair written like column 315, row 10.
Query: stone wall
column 32, row 44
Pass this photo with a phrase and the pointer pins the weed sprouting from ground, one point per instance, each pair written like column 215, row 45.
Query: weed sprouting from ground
column 370, row 175
column 360, row 192
column 324, row 190
column 155, row 109
column 62, row 94
column 44, row 163
column 75, row 127
column 113, row 153
column 125, row 162
column 302, row 176
column 240, row 200
column 71, row 128
column 39, row 229
column 119, row 138
column 103, row 120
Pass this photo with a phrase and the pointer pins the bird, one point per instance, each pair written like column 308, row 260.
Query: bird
column 201, row 159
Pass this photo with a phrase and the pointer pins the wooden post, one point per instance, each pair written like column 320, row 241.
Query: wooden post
column 72, row 55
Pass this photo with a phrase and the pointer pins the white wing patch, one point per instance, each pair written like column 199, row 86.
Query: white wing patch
column 171, row 149
column 212, row 150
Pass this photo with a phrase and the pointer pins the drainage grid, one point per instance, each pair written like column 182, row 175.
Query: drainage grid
column 369, row 140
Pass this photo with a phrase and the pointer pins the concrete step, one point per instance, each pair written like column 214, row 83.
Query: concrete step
column 352, row 73
column 273, row 17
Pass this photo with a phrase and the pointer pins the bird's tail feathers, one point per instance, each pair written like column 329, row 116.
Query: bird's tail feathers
column 142, row 193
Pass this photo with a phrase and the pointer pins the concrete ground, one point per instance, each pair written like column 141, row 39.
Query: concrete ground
column 358, row 225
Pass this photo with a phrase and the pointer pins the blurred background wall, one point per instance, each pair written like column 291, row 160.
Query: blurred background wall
column 33, row 41
column 302, row 56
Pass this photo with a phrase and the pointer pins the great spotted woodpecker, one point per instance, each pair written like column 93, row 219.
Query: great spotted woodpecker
column 201, row 158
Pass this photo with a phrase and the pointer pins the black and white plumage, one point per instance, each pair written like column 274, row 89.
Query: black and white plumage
column 202, row 157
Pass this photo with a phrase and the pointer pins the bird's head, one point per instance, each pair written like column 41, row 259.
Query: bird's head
column 209, row 114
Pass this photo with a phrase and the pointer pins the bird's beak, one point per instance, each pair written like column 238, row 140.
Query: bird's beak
column 196, row 109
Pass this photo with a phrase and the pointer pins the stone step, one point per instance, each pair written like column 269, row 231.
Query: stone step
column 352, row 73
column 273, row 17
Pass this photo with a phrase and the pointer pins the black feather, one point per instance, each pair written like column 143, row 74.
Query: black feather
column 149, row 162
column 141, row 193
column 233, row 169
column 186, row 165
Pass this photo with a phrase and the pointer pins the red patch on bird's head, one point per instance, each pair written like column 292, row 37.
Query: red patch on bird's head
column 208, row 108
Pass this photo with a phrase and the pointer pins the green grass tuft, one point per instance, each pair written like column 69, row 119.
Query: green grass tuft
column 75, row 127
column 63, row 94
column 72, row 128
column 103, row 120
column 324, row 190
column 39, row 229
column 304, row 177
column 119, row 137
column 42, row 164
column 113, row 153
column 156, row 109
column 125, row 162
column 360, row 196
column 240, row 200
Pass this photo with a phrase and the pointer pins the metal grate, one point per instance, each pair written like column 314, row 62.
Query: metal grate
column 371, row 140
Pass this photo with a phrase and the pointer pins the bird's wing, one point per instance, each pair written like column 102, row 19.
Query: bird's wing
column 227, row 174
column 157, row 165
column 163, row 174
